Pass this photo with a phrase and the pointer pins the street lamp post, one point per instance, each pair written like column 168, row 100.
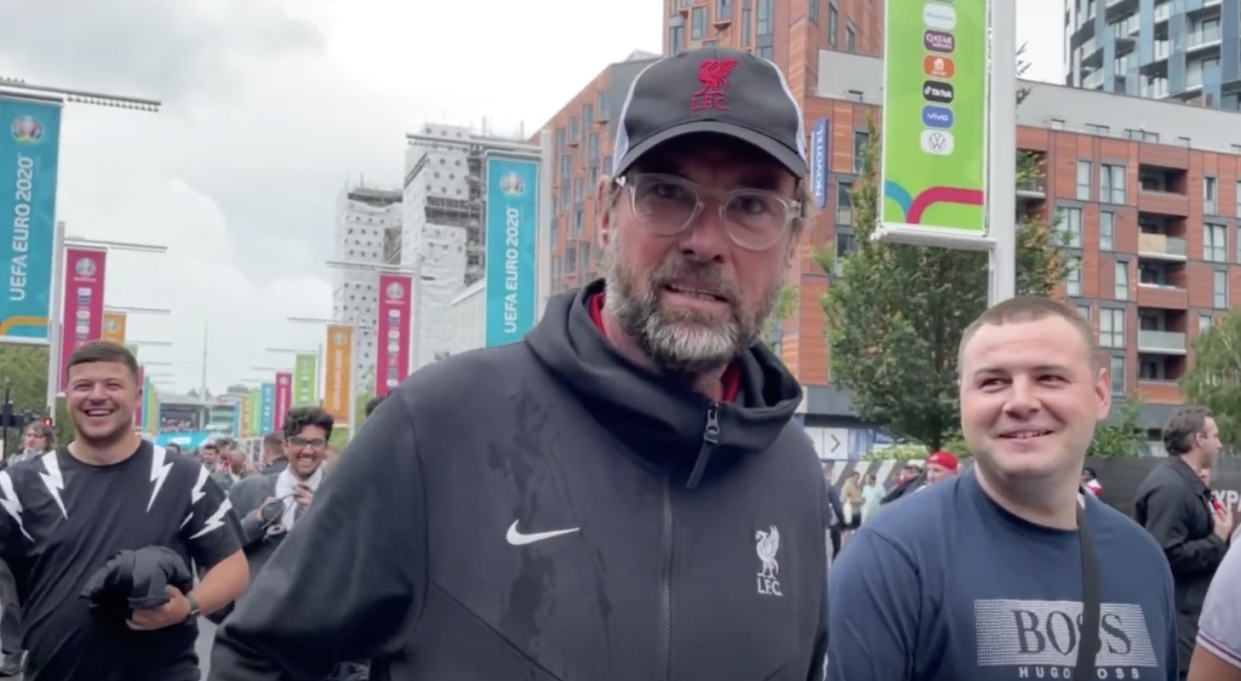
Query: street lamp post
column 56, row 311
column 352, row 414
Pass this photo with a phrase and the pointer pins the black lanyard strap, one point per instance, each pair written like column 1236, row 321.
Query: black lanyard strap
column 1089, row 646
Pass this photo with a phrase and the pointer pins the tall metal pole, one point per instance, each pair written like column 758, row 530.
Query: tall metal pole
column 1002, row 150
column 54, row 316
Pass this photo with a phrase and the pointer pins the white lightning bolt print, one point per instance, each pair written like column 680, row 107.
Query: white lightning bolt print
column 197, row 494
column 216, row 521
column 54, row 481
column 159, row 472
column 10, row 503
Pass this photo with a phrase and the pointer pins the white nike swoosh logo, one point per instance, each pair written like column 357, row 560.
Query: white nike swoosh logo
column 518, row 539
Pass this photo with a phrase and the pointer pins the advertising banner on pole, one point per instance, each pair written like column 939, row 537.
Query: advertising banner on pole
column 512, row 228
column 933, row 171
column 284, row 398
column 267, row 406
column 150, row 405
column 83, row 302
column 305, row 388
column 336, row 371
column 114, row 327
column 140, row 408
column 819, row 138
column 253, row 413
column 392, row 353
column 238, row 418
column 243, row 417
column 29, row 155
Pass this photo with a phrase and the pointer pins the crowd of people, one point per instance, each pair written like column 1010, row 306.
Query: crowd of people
column 626, row 493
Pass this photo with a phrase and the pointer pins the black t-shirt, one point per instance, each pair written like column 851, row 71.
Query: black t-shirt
column 63, row 519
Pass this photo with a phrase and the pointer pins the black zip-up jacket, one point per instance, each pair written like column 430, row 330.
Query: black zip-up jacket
column 1174, row 505
column 526, row 513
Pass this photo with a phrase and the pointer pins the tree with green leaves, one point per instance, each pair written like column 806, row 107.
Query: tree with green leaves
column 1214, row 378
column 896, row 312
column 1122, row 435
column 786, row 302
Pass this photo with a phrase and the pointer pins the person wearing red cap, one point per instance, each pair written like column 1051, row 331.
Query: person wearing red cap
column 941, row 466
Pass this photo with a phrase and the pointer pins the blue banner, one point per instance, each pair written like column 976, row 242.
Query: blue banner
column 267, row 407
column 512, row 224
column 188, row 440
column 236, row 427
column 818, row 162
column 29, row 152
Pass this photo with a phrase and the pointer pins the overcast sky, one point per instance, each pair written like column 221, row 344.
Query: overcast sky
column 271, row 106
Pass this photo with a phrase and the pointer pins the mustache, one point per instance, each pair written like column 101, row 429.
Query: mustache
column 702, row 275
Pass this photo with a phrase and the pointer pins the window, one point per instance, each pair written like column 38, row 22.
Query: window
column 559, row 140
column 1073, row 276
column 844, row 203
column 698, row 23
column 570, row 258
column 1107, row 230
column 765, row 53
column 814, row 12
column 1204, row 323
column 601, row 104
column 844, row 246
column 833, row 20
column 763, row 26
column 1121, row 281
column 1209, row 196
column 588, row 117
column 578, row 191
column 746, row 21
column 1111, row 183
column 573, row 130
column 723, row 10
column 676, row 43
column 1238, row 206
column 850, row 39
column 592, row 150
column 1116, row 368
column 1111, row 328
column 1220, row 281
column 607, row 164
column 1071, row 226
column 1083, row 311
column 861, row 139
column 1083, row 180
column 1214, row 243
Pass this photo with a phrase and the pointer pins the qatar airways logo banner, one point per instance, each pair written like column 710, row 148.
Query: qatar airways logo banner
column 392, row 351
column 284, row 399
column 83, row 303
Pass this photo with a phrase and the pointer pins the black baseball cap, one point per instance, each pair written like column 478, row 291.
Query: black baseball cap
column 711, row 90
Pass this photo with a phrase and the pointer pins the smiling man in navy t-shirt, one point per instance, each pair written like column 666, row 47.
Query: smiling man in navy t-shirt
column 983, row 578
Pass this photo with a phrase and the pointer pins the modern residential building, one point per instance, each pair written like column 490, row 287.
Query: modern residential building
column 368, row 229
column 1150, row 192
column 783, row 31
column 1166, row 49
column 442, row 233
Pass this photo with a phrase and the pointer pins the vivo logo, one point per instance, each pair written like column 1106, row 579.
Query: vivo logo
column 938, row 41
column 936, row 116
column 937, row 142
column 935, row 91
column 939, row 16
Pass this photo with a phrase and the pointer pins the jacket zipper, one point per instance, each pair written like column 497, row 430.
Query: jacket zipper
column 710, row 438
column 665, row 586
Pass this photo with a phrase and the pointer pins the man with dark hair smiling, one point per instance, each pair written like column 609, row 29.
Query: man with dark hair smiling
column 1009, row 571
column 67, row 513
column 637, row 501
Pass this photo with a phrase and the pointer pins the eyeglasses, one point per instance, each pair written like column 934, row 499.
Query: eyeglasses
column 755, row 219
column 316, row 444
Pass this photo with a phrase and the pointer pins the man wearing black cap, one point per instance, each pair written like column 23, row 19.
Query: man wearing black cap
column 637, row 502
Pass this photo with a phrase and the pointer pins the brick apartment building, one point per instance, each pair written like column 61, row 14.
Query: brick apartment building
column 1150, row 192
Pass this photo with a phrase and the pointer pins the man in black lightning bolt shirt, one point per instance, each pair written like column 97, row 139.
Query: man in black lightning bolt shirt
column 65, row 513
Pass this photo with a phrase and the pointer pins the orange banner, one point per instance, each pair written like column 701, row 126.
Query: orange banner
column 114, row 327
column 338, row 365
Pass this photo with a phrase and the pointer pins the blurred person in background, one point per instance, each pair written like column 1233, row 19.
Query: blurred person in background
column 872, row 497
column 1090, row 480
column 940, row 466
column 274, row 459
column 38, row 438
column 1175, row 505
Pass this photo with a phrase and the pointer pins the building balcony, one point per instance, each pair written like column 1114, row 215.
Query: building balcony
column 1161, row 342
column 1160, row 392
column 1161, row 247
column 1163, row 297
column 1032, row 190
column 1163, row 203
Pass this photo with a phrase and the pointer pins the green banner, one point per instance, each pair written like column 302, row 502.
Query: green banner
column 934, row 115
column 305, row 387
column 253, row 415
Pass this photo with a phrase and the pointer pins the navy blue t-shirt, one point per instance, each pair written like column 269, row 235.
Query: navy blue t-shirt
column 945, row 585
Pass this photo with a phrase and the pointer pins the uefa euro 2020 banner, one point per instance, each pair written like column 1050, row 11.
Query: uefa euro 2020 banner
column 29, row 153
column 512, row 228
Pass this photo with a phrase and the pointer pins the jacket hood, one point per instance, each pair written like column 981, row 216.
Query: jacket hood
column 665, row 423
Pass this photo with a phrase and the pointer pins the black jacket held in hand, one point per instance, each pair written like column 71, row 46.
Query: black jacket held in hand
column 525, row 513
column 135, row 580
